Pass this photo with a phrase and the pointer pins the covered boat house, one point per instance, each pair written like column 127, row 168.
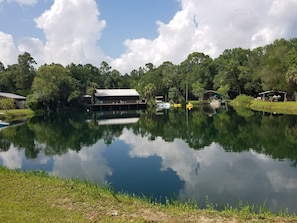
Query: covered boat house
column 19, row 101
column 116, row 99
column 211, row 94
column 273, row 95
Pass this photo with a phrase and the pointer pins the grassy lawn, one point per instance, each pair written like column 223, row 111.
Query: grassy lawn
column 13, row 114
column 289, row 107
column 37, row 197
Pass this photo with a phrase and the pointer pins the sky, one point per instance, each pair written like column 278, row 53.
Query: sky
column 127, row 34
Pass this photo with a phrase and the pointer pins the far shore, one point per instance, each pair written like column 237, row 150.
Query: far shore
column 16, row 114
column 287, row 107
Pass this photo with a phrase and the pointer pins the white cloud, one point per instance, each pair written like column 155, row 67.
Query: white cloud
column 230, row 178
column 72, row 29
column 34, row 46
column 211, row 27
column 15, row 158
column 12, row 158
column 7, row 48
column 87, row 164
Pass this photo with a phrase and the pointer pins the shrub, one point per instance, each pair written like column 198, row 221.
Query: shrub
column 6, row 103
column 243, row 100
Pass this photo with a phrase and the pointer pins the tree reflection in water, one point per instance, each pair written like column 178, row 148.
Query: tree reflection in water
column 184, row 137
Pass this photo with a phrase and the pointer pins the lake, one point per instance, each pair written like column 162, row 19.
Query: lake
column 219, row 157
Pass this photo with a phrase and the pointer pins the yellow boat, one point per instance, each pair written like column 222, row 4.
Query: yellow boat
column 176, row 105
column 189, row 106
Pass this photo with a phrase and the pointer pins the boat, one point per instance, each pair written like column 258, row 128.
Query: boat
column 2, row 124
column 177, row 105
column 189, row 106
column 161, row 104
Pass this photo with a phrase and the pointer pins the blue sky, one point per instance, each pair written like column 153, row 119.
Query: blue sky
column 125, row 19
column 132, row 19
column 18, row 19
column 130, row 33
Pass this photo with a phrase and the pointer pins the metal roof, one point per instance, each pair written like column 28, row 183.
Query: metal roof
column 10, row 95
column 115, row 92
column 211, row 91
column 272, row 91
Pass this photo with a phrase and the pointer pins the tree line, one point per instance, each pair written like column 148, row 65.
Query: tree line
column 236, row 71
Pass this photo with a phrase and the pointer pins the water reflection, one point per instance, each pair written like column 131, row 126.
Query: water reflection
column 229, row 157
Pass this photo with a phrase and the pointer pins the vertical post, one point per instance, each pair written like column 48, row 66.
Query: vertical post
column 186, row 91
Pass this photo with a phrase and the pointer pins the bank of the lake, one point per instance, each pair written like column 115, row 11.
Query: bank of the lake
column 288, row 107
column 37, row 197
column 284, row 107
column 14, row 114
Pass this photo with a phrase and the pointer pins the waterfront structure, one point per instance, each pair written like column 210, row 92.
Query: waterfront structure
column 273, row 95
column 116, row 99
column 19, row 101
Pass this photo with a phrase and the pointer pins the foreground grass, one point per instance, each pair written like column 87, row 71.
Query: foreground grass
column 288, row 107
column 37, row 197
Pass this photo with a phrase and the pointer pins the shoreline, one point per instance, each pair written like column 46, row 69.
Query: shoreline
column 287, row 108
column 35, row 196
column 16, row 114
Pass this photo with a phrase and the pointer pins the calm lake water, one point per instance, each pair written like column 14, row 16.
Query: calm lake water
column 222, row 156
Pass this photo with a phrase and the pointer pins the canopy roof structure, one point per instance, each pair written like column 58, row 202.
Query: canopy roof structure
column 13, row 96
column 276, row 95
column 211, row 94
column 272, row 92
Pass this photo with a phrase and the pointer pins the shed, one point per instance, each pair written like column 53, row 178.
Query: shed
column 19, row 101
column 211, row 94
column 273, row 95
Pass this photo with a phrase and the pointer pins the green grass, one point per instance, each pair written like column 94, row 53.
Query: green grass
column 14, row 114
column 37, row 197
column 289, row 107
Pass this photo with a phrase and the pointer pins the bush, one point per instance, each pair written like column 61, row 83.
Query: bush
column 6, row 103
column 243, row 100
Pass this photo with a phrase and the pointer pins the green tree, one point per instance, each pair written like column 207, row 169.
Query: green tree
column 275, row 65
column 198, row 67
column 174, row 95
column 24, row 74
column 234, row 73
column 2, row 67
column 169, row 77
column 7, row 78
column 18, row 78
column 198, row 89
column 291, row 78
column 134, row 79
column 105, row 71
column 149, row 90
column 52, row 88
